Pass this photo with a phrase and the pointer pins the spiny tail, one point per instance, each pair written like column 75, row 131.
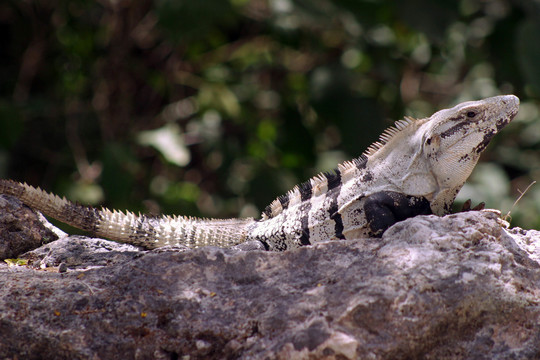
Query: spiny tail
column 140, row 230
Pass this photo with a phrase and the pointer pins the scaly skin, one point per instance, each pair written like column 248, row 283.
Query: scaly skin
column 417, row 167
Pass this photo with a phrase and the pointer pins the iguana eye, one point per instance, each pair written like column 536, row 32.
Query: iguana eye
column 471, row 114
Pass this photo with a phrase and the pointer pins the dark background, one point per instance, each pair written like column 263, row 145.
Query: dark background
column 215, row 107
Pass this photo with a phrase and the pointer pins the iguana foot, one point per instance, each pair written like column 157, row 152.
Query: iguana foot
column 467, row 206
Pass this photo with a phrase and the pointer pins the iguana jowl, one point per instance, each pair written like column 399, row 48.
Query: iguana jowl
column 417, row 167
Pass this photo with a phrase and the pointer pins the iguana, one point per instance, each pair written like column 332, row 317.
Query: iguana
column 416, row 167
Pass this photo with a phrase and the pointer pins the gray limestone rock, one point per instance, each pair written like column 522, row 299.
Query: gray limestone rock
column 21, row 229
column 80, row 252
column 455, row 287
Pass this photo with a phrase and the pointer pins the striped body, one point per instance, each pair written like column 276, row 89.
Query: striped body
column 331, row 206
column 312, row 211
column 417, row 167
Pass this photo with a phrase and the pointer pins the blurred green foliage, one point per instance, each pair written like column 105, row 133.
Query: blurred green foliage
column 216, row 107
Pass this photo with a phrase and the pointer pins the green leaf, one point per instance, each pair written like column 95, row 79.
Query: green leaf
column 16, row 262
column 169, row 141
column 528, row 53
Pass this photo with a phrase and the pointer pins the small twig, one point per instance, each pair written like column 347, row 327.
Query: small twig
column 88, row 286
column 505, row 218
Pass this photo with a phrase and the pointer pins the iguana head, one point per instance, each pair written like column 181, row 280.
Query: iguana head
column 453, row 139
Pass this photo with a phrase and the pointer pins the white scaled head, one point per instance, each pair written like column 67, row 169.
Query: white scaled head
column 453, row 140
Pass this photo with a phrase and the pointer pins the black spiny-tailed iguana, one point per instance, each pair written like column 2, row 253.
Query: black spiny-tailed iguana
column 417, row 167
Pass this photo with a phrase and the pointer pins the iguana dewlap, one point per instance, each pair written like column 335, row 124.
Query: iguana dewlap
column 417, row 167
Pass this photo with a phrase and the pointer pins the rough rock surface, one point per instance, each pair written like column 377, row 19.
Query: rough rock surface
column 455, row 287
column 20, row 228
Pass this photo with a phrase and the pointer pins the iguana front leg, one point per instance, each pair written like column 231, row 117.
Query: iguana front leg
column 385, row 208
